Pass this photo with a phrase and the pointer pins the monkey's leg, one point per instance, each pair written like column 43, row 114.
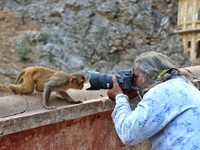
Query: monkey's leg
column 27, row 87
column 68, row 98
column 39, row 90
column 11, row 88
column 46, row 96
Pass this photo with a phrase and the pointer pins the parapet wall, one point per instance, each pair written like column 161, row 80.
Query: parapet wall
column 25, row 124
column 92, row 132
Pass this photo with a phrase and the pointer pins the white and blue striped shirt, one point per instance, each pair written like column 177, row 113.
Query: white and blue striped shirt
column 168, row 115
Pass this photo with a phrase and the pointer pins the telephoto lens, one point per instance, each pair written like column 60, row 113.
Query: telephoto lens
column 125, row 79
column 100, row 81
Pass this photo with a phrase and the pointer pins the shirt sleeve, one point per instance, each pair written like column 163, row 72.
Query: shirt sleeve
column 134, row 126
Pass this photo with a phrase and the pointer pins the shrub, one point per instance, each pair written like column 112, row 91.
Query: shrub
column 43, row 37
column 24, row 15
column 23, row 47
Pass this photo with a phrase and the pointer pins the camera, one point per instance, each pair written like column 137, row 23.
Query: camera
column 125, row 79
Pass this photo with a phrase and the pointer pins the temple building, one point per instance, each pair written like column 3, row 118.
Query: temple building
column 189, row 27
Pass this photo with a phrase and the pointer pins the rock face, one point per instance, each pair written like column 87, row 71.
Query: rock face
column 99, row 35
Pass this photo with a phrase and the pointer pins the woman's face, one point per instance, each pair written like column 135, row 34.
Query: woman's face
column 139, row 77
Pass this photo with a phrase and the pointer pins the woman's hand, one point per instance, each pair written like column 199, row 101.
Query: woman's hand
column 117, row 90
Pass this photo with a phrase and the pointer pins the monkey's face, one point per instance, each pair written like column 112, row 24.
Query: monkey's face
column 77, row 86
column 78, row 82
column 81, row 85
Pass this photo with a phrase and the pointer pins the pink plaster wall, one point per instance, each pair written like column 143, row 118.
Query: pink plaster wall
column 94, row 132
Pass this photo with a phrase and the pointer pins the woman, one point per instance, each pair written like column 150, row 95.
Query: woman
column 169, row 112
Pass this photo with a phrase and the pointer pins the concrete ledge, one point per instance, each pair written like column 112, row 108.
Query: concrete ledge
column 18, row 113
column 193, row 71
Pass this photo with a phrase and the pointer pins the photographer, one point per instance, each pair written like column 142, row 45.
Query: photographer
column 169, row 112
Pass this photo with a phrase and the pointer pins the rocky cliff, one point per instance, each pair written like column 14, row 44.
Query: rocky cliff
column 100, row 35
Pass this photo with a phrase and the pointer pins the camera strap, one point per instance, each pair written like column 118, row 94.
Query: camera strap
column 162, row 73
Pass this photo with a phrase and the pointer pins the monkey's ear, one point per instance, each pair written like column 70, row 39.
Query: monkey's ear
column 72, row 79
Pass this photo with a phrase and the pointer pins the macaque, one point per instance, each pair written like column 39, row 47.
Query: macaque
column 47, row 80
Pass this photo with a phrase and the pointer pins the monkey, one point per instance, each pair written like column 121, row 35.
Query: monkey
column 47, row 80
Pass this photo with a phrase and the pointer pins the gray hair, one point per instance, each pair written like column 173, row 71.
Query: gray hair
column 153, row 64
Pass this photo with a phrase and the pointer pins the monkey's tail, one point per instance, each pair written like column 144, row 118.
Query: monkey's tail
column 20, row 76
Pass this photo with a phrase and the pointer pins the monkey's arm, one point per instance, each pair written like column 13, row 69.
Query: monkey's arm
column 46, row 96
column 68, row 98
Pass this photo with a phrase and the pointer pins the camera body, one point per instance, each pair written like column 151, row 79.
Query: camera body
column 125, row 79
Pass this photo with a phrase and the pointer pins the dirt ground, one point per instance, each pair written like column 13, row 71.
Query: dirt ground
column 10, row 25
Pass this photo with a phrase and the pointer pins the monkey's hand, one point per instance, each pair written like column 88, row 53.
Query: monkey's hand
column 68, row 98
column 78, row 102
column 49, row 107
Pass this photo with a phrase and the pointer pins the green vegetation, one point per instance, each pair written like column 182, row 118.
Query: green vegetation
column 23, row 47
column 49, row 55
column 24, row 15
column 43, row 37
